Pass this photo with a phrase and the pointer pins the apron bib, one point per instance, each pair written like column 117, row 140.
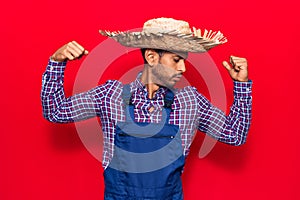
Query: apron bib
column 148, row 159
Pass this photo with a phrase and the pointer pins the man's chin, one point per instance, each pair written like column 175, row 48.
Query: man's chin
column 167, row 84
column 170, row 85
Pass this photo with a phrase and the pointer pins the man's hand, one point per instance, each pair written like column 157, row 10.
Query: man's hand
column 238, row 69
column 69, row 51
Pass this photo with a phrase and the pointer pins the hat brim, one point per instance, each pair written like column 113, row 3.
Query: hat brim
column 165, row 41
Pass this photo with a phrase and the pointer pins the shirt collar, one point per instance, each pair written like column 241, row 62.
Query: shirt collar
column 138, row 87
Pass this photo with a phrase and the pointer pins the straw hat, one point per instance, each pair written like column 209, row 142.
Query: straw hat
column 169, row 34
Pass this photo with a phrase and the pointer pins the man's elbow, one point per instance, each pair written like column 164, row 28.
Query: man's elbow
column 240, row 136
column 239, row 142
column 50, row 118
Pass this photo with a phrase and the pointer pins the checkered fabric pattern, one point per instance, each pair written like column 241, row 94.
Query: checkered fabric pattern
column 190, row 109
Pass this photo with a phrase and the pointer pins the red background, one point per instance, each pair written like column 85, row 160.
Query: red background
column 40, row 160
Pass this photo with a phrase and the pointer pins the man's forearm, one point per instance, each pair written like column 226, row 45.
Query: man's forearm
column 52, row 94
column 233, row 128
column 240, row 115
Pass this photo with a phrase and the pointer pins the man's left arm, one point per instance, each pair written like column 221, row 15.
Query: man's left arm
column 233, row 128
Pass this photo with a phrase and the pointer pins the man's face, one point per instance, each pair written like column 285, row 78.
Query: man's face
column 169, row 69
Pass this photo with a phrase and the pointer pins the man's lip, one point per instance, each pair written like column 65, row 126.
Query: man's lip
column 177, row 77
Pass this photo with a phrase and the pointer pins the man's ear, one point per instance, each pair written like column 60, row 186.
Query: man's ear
column 151, row 56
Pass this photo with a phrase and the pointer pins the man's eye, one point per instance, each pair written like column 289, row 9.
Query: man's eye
column 176, row 60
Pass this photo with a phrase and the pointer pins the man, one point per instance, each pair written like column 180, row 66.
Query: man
column 148, row 125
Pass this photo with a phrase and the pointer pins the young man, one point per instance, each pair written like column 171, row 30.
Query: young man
column 148, row 125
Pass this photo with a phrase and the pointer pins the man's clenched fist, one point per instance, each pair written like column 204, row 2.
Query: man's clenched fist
column 69, row 51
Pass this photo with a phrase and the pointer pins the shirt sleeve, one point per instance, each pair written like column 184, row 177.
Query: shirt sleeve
column 233, row 128
column 58, row 108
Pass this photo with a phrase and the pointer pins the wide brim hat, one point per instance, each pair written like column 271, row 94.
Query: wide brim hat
column 168, row 34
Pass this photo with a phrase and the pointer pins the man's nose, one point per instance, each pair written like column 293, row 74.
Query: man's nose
column 181, row 66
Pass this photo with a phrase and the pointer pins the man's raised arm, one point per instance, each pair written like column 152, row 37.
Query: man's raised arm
column 56, row 107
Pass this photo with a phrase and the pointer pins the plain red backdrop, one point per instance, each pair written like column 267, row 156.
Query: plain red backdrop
column 40, row 160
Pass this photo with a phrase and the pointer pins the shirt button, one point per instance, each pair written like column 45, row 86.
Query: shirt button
column 151, row 109
column 51, row 68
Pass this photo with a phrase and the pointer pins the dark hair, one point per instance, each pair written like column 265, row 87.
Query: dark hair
column 159, row 51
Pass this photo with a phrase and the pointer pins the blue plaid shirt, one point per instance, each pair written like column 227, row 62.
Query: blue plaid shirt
column 191, row 111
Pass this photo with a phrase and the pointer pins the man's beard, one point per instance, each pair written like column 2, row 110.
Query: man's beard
column 161, row 78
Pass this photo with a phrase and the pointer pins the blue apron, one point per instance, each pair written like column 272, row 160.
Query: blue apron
column 148, row 159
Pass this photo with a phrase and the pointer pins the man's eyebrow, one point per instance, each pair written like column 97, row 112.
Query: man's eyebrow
column 178, row 56
column 175, row 55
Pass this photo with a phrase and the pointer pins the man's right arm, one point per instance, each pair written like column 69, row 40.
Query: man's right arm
column 58, row 108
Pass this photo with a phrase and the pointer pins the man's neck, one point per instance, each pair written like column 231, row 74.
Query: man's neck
column 151, row 87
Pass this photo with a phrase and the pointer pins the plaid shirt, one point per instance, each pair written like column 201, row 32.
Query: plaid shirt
column 190, row 109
